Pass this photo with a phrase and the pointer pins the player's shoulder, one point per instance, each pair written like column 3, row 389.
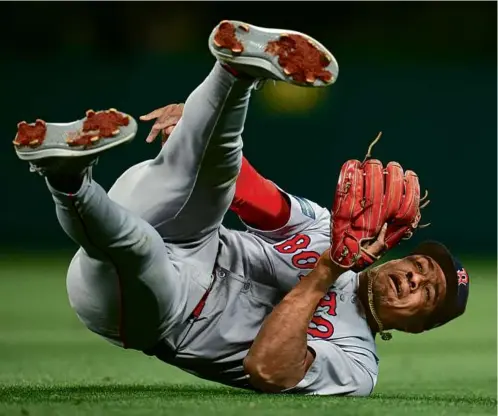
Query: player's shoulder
column 319, row 216
column 308, row 208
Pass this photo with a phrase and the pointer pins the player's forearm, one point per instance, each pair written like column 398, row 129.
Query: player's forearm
column 279, row 357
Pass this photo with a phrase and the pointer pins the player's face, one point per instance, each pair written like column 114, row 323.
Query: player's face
column 407, row 291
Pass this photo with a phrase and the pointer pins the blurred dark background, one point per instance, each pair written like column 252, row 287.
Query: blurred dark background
column 422, row 72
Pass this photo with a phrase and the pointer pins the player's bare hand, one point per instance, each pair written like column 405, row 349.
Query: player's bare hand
column 166, row 118
column 377, row 247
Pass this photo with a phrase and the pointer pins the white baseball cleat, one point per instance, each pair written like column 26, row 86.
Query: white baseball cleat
column 55, row 146
column 278, row 54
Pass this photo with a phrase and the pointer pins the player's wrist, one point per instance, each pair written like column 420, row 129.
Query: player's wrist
column 326, row 270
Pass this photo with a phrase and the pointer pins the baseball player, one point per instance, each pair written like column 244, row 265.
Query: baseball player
column 287, row 306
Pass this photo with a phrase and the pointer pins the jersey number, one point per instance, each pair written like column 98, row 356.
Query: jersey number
column 303, row 259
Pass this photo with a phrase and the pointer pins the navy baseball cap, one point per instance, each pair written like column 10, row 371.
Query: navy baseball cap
column 457, row 283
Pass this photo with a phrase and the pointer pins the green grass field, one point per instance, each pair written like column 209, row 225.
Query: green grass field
column 51, row 365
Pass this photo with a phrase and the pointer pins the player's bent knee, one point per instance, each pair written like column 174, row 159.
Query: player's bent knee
column 106, row 305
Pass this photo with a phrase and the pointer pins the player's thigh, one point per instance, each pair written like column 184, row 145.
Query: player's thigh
column 131, row 192
column 156, row 195
column 136, row 304
column 178, row 210
column 203, row 212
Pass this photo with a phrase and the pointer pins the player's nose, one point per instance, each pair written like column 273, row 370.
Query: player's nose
column 414, row 280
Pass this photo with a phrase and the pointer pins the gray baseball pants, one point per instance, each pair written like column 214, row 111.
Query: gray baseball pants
column 148, row 248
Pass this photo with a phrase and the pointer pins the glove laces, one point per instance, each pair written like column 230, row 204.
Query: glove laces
column 369, row 151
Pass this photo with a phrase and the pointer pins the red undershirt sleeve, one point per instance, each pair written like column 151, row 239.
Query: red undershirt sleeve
column 258, row 202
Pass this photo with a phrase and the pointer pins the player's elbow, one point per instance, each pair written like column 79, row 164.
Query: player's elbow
column 268, row 379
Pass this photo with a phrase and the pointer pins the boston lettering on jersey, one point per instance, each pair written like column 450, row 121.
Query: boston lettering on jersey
column 320, row 327
column 302, row 258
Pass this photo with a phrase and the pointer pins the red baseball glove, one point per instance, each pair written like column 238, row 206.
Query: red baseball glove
column 368, row 197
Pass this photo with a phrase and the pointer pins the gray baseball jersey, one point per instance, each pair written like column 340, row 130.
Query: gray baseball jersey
column 155, row 245
column 253, row 271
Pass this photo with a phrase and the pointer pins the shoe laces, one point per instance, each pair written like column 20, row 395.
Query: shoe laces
column 59, row 165
column 37, row 169
column 259, row 84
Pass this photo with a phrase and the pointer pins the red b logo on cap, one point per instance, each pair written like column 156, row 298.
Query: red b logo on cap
column 463, row 278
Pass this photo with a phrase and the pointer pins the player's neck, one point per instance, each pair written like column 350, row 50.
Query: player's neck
column 363, row 296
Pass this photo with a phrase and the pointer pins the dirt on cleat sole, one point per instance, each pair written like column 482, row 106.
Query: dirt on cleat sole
column 96, row 126
column 226, row 38
column 301, row 58
column 30, row 135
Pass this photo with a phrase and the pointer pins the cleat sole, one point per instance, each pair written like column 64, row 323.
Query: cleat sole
column 99, row 131
column 274, row 53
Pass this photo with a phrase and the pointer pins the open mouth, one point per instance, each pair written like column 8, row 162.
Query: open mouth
column 396, row 284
